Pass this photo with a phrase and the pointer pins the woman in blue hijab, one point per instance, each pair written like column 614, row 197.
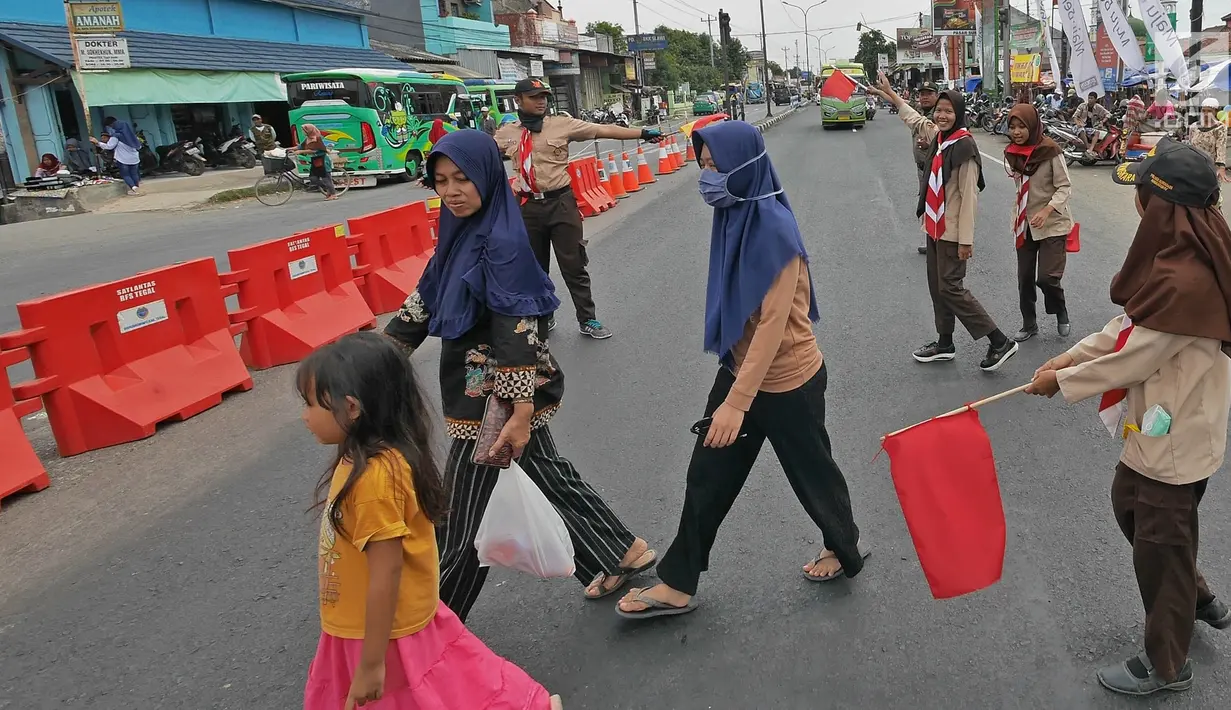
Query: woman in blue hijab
column 759, row 310
column 485, row 296
column 122, row 139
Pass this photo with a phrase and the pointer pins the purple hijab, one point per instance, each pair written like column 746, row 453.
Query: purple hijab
column 483, row 261
column 751, row 241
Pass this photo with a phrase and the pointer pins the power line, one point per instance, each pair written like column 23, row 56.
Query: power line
column 814, row 30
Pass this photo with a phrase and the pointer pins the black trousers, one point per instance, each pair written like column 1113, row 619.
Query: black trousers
column 555, row 223
column 600, row 540
column 794, row 423
column 1160, row 522
column 1040, row 266
column 951, row 300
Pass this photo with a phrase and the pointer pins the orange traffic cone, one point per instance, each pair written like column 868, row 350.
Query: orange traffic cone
column 678, row 156
column 630, row 176
column 644, row 176
column 692, row 154
column 666, row 165
column 617, row 180
column 603, row 181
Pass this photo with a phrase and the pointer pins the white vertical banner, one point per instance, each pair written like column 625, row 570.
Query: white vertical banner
column 1166, row 41
column 944, row 60
column 1121, row 35
column 1086, row 76
column 1052, row 57
column 979, row 44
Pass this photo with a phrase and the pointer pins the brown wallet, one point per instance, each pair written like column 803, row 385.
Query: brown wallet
column 495, row 416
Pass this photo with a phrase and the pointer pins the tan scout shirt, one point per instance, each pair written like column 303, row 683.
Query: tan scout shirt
column 550, row 157
column 1050, row 185
column 961, row 191
column 1189, row 377
column 778, row 351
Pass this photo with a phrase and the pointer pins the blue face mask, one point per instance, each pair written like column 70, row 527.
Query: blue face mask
column 713, row 186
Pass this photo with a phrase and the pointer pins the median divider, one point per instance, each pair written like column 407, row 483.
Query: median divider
column 296, row 294
column 21, row 471
column 393, row 246
column 114, row 360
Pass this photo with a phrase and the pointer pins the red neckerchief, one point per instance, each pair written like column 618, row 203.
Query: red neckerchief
column 1020, row 220
column 934, row 204
column 526, row 168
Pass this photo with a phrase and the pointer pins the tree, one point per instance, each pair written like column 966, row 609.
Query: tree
column 774, row 69
column 686, row 60
column 611, row 29
column 871, row 43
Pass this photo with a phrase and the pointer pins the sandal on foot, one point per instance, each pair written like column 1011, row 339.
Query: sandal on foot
column 626, row 573
column 864, row 552
column 655, row 608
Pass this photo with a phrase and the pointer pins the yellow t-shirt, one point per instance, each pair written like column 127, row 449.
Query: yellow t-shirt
column 381, row 505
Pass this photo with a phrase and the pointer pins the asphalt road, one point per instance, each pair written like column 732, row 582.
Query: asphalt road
column 179, row 572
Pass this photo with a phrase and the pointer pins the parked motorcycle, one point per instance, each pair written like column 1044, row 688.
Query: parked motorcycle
column 183, row 156
column 238, row 149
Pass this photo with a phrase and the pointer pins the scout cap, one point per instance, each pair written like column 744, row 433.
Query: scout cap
column 531, row 87
column 1176, row 172
column 930, row 86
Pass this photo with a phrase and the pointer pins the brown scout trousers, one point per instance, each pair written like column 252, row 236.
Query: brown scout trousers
column 556, row 222
column 1160, row 521
column 1040, row 264
column 951, row 300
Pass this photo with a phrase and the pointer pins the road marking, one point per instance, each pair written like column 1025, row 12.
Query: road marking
column 994, row 159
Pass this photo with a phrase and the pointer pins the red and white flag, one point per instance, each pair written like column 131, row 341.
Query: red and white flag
column 1113, row 407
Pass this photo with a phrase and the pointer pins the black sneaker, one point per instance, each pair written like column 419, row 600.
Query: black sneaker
column 595, row 330
column 551, row 324
column 1026, row 333
column 1137, row 676
column 1215, row 614
column 923, row 249
column 935, row 352
column 1062, row 325
column 997, row 356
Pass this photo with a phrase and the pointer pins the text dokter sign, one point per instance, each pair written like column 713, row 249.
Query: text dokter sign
column 102, row 18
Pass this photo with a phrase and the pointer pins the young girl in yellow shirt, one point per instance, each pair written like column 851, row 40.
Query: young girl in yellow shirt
column 387, row 643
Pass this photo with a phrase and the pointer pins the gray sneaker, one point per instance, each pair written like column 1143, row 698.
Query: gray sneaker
column 1215, row 614
column 595, row 330
column 1137, row 676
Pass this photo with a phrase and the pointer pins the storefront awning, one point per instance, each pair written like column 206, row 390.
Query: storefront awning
column 154, row 50
column 178, row 86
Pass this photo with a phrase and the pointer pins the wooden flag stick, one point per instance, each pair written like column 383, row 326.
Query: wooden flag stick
column 972, row 405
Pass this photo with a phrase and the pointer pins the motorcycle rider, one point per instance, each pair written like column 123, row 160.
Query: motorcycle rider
column 1091, row 116
column 928, row 94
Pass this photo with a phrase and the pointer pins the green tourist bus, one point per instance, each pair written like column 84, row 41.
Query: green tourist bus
column 497, row 96
column 843, row 113
column 378, row 120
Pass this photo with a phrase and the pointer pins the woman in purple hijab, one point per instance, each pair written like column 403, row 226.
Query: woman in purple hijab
column 759, row 311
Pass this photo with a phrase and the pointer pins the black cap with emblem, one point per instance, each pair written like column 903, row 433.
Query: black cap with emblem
column 930, row 86
column 531, row 87
column 1176, row 172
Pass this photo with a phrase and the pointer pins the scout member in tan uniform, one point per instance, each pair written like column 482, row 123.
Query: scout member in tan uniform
column 1165, row 385
column 544, row 186
column 922, row 142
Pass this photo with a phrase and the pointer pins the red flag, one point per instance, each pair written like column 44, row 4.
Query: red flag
column 945, row 477
column 838, row 86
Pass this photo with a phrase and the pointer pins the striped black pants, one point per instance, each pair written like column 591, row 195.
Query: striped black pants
column 600, row 540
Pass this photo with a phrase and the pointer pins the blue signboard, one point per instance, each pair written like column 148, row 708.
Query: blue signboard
column 646, row 43
column 805, row 76
column 1111, row 79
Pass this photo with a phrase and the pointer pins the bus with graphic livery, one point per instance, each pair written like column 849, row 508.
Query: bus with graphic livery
column 497, row 96
column 843, row 113
column 378, row 120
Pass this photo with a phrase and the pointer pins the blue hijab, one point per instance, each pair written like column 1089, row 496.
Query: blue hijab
column 483, row 261
column 123, row 131
column 752, row 241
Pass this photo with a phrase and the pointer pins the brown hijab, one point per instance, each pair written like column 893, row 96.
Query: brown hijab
column 1039, row 149
column 1176, row 277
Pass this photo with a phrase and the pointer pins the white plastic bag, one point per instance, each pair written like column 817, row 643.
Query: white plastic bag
column 522, row 531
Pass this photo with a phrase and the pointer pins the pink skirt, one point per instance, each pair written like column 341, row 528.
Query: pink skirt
column 442, row 667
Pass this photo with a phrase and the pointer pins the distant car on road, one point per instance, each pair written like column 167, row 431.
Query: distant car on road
column 705, row 104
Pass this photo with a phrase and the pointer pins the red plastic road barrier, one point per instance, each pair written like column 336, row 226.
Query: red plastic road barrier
column 21, row 471
column 296, row 294
column 116, row 359
column 592, row 198
column 433, row 220
column 393, row 247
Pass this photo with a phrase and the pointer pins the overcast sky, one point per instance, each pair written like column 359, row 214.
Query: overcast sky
column 784, row 25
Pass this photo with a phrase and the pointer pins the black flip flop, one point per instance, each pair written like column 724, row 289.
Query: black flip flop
column 626, row 573
column 655, row 608
column 864, row 552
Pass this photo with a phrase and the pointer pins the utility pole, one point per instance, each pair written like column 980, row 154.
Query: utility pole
column 1195, row 20
column 637, row 59
column 709, row 28
column 786, row 60
column 724, row 31
column 1007, row 35
column 769, row 104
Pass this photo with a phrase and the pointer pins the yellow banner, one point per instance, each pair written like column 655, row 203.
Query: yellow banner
column 1025, row 68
